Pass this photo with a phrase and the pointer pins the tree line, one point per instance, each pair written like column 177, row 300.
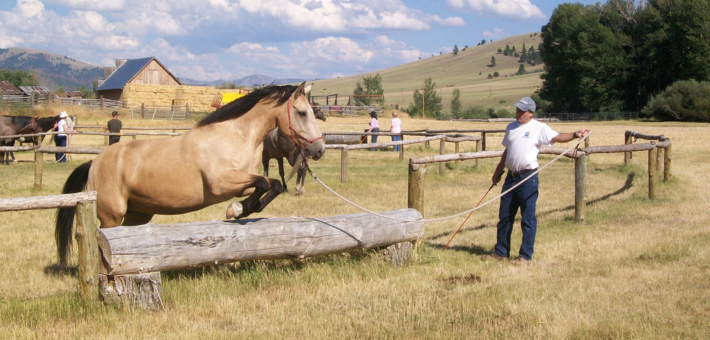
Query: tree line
column 618, row 56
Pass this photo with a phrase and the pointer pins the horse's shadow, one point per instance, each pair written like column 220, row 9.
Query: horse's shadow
column 56, row 270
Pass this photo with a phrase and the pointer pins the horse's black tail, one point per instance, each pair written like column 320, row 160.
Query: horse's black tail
column 65, row 216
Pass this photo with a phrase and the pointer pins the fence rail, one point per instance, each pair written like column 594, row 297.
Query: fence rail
column 587, row 116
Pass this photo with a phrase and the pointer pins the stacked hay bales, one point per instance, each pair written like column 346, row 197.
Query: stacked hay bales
column 198, row 97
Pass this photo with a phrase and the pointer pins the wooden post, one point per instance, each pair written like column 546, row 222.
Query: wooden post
column 442, row 150
column 659, row 159
column 667, row 164
column 187, row 111
column 652, row 173
column 580, row 181
column 456, row 150
column 39, row 161
column 587, row 142
column 627, row 155
column 401, row 148
column 88, row 250
column 143, row 110
column 483, row 141
column 343, row 165
column 101, row 103
column 134, row 137
column 415, row 197
column 479, row 146
column 2, row 102
column 32, row 99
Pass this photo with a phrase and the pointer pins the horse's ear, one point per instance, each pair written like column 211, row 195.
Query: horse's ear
column 299, row 90
column 307, row 90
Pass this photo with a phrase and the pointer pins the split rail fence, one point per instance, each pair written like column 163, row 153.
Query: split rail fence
column 658, row 145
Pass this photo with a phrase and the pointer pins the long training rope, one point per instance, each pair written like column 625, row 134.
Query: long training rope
column 456, row 215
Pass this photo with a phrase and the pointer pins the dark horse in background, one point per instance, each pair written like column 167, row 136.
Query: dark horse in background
column 279, row 146
column 213, row 162
column 15, row 125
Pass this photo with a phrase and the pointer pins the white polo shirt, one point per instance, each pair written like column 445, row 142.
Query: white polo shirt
column 523, row 142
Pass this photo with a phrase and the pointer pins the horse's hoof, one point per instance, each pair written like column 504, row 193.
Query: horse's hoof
column 234, row 210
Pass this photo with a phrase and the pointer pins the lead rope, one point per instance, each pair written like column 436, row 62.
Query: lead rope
column 452, row 216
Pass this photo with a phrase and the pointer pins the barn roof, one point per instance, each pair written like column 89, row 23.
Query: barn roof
column 41, row 90
column 7, row 88
column 126, row 72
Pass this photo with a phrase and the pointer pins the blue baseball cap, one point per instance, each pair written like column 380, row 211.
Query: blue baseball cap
column 526, row 104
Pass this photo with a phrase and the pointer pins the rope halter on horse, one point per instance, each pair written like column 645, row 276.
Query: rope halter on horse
column 290, row 127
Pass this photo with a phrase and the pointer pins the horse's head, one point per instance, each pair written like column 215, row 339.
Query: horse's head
column 318, row 111
column 300, row 123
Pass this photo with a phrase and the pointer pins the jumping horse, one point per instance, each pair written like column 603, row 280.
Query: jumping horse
column 211, row 163
column 278, row 145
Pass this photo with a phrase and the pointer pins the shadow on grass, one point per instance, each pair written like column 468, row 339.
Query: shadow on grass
column 627, row 185
column 56, row 270
column 463, row 231
column 474, row 249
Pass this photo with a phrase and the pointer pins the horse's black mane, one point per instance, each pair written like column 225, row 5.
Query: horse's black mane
column 237, row 108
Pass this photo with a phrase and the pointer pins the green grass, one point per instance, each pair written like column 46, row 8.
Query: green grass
column 637, row 268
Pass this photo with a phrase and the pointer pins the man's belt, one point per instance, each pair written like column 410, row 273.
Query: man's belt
column 521, row 172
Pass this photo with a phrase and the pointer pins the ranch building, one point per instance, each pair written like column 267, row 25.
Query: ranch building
column 145, row 71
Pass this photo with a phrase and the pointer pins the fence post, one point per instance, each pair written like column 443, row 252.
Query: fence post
column 483, row 141
column 2, row 102
column 32, row 99
column 101, row 103
column 88, row 250
column 456, row 150
column 415, row 197
column 659, row 159
column 343, row 165
column 442, row 149
column 187, row 111
column 652, row 173
column 479, row 145
column 580, row 183
column 143, row 110
column 426, row 144
column 627, row 155
column 39, row 161
column 401, row 148
column 587, row 142
column 667, row 164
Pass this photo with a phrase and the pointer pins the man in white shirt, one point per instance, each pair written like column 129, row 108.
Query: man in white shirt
column 522, row 142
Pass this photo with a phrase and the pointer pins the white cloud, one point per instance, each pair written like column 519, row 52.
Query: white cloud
column 496, row 34
column 514, row 9
column 92, row 5
column 7, row 40
column 30, row 9
column 450, row 21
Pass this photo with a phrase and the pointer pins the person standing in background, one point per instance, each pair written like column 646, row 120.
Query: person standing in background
column 374, row 127
column 396, row 127
column 60, row 139
column 114, row 126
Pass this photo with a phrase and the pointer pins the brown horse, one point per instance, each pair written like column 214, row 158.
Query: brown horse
column 213, row 162
column 15, row 125
column 279, row 146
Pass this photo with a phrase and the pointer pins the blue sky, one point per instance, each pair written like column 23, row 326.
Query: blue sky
column 230, row 39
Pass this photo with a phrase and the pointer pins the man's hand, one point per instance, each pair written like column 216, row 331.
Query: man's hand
column 496, row 177
column 581, row 133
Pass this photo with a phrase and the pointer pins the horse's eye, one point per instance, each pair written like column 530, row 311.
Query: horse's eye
column 302, row 113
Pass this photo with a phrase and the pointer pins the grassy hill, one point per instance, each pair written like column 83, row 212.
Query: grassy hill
column 450, row 72
column 52, row 69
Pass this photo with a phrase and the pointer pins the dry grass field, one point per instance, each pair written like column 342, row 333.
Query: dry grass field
column 637, row 268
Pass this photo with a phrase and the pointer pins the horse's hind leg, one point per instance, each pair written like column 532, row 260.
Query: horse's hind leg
column 301, row 178
column 281, row 173
column 134, row 218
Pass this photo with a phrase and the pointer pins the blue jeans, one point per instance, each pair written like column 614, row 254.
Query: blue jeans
column 374, row 138
column 523, row 197
column 60, row 141
column 395, row 139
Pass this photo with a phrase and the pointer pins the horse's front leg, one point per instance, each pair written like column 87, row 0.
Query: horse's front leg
column 255, row 202
column 301, row 178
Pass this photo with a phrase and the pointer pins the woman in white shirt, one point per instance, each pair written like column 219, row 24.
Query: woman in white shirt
column 396, row 127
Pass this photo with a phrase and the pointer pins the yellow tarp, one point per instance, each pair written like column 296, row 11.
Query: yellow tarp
column 230, row 97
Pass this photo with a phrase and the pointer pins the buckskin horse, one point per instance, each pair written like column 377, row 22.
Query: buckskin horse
column 211, row 163
column 278, row 145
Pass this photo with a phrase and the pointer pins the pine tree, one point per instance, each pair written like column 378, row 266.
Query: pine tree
column 432, row 102
column 490, row 76
column 493, row 61
column 513, row 50
column 456, row 103
column 500, row 51
column 521, row 69
column 483, row 42
column 456, row 49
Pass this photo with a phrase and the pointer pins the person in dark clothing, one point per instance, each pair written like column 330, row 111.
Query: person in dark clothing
column 114, row 126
